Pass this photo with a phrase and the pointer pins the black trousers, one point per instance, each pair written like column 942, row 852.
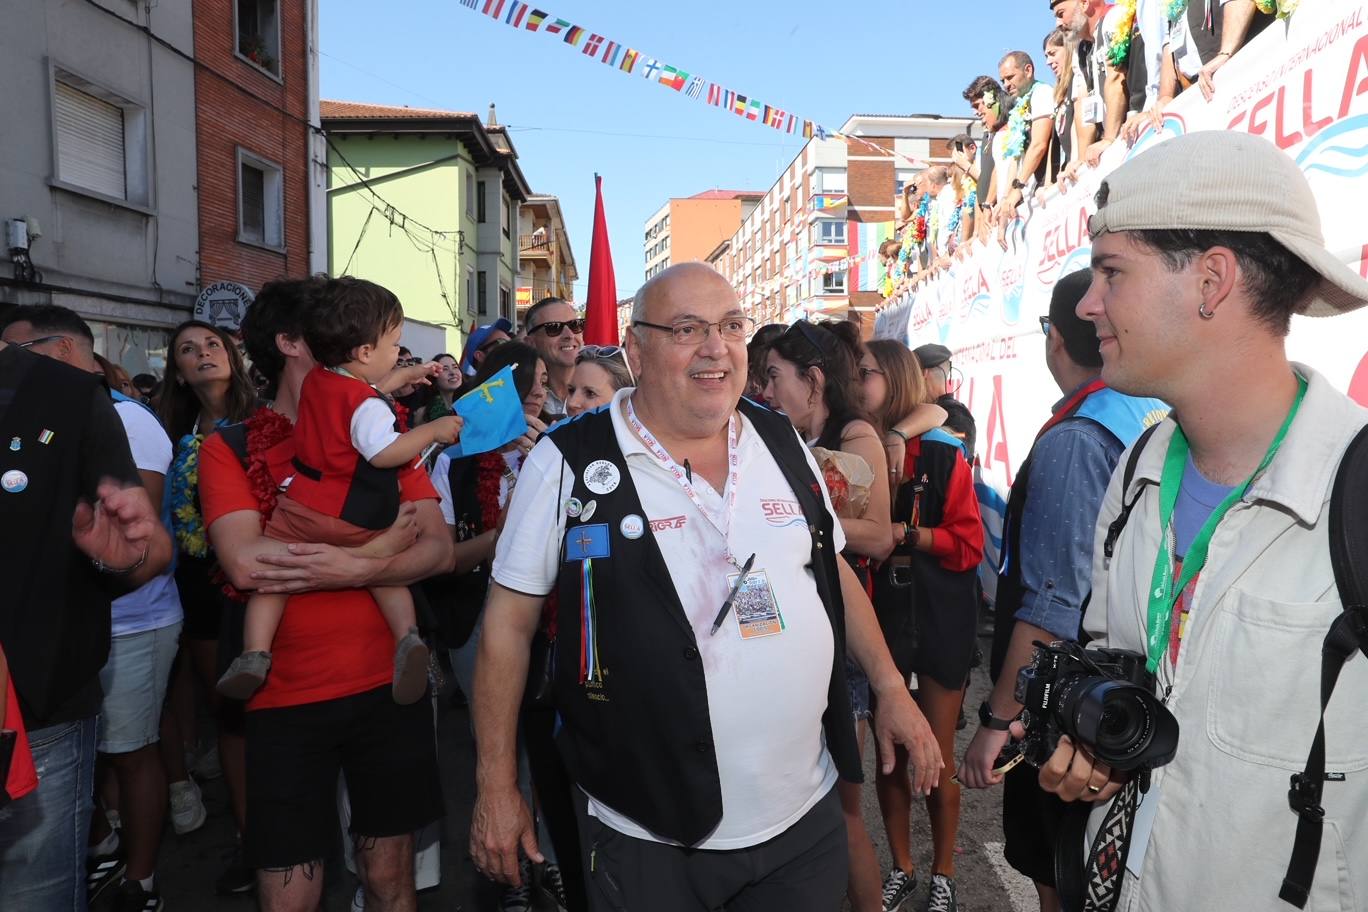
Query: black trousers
column 803, row 869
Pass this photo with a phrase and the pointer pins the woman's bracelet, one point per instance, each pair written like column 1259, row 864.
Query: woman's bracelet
column 897, row 433
column 121, row 571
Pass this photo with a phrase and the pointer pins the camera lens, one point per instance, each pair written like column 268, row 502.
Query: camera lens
column 1124, row 726
column 1120, row 721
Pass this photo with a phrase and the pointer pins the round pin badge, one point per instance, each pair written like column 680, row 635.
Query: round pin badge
column 573, row 507
column 13, row 481
column 589, row 509
column 602, row 477
column 632, row 526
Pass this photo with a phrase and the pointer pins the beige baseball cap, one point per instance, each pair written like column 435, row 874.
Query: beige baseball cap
column 1216, row 180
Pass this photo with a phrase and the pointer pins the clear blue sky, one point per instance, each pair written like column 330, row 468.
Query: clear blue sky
column 570, row 116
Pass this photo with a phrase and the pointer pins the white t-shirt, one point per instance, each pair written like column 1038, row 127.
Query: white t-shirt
column 372, row 427
column 441, row 480
column 946, row 204
column 766, row 695
column 1042, row 106
column 156, row 603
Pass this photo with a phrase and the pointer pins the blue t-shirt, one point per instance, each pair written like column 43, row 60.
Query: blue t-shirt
column 1197, row 497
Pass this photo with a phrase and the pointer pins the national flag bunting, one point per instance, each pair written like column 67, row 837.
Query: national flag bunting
column 471, row 4
column 573, row 35
column 673, row 78
column 695, row 87
column 611, row 51
column 739, row 105
column 516, row 11
column 651, row 68
column 714, row 94
column 591, row 47
column 535, row 19
column 753, row 109
column 629, row 60
column 493, row 8
column 557, row 27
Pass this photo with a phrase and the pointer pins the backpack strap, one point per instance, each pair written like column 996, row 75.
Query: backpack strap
column 1127, row 476
column 1349, row 633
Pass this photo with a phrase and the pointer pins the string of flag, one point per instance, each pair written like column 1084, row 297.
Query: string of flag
column 526, row 18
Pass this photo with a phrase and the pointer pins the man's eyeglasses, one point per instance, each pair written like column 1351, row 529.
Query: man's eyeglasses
column 605, row 353
column 1045, row 325
column 554, row 328
column 39, row 341
column 694, row 332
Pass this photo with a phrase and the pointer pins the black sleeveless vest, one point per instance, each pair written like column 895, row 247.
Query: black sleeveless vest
column 640, row 740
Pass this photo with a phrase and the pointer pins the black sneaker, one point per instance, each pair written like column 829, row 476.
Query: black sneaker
column 519, row 898
column 897, row 888
column 237, row 878
column 553, row 886
column 942, row 897
column 103, row 872
column 131, row 897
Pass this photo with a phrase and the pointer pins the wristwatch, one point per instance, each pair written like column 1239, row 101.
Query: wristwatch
column 1018, row 185
column 990, row 721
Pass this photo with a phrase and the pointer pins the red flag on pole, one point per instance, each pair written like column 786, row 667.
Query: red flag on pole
column 601, row 312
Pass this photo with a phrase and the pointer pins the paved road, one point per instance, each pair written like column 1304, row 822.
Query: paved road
column 190, row 864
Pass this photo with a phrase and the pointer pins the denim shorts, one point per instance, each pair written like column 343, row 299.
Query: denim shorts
column 134, row 681
column 858, row 683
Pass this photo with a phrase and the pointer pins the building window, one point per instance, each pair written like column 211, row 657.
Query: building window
column 258, row 33
column 830, row 231
column 100, row 140
column 260, row 201
column 507, row 217
column 505, row 298
column 471, row 303
column 901, row 178
column 481, row 292
column 480, row 213
column 831, row 180
column 834, row 283
column 470, row 194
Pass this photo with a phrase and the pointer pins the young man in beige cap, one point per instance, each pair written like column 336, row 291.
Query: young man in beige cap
column 1222, row 575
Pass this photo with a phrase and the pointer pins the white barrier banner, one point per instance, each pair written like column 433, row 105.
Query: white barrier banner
column 1302, row 84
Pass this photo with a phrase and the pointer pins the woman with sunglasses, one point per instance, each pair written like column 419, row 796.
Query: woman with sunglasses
column 926, row 600
column 206, row 386
column 811, row 377
column 600, row 371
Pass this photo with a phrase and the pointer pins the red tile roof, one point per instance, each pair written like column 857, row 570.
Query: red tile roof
column 355, row 110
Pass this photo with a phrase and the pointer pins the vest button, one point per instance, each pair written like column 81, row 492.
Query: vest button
column 819, row 546
column 701, row 745
column 690, row 652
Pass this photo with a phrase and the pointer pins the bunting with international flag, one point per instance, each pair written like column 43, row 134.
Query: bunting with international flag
column 599, row 46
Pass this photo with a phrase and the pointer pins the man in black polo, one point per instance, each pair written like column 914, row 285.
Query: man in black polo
column 77, row 529
column 702, row 627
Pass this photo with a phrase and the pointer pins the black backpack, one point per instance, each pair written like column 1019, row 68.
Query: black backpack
column 1349, row 632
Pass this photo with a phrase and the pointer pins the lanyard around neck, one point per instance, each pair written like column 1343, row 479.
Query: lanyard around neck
column 681, row 477
column 1163, row 588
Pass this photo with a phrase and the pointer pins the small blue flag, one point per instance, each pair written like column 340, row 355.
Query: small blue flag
column 493, row 416
column 587, row 542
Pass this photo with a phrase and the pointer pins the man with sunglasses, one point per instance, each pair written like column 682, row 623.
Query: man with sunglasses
column 701, row 691
column 556, row 331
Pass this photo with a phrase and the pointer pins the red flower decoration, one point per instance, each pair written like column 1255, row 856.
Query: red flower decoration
column 266, row 428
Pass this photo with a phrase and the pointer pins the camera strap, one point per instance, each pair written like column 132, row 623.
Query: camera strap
column 1096, row 885
column 1348, row 530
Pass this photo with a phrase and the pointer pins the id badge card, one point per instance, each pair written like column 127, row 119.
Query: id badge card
column 757, row 612
column 1093, row 110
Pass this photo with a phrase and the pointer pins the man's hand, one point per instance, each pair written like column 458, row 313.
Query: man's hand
column 1073, row 774
column 395, row 540
column 1094, row 154
column 1206, row 78
column 117, row 529
column 976, row 769
column 499, row 825
column 900, row 721
column 312, row 566
column 447, row 429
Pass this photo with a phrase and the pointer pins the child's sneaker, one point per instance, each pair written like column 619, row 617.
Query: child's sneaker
column 245, row 676
column 410, row 668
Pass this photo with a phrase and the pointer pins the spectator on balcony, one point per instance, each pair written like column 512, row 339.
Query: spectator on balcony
column 1200, row 41
column 1098, row 90
column 962, row 151
column 1021, row 148
column 987, row 99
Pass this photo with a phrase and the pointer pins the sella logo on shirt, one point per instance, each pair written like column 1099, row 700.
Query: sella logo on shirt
column 782, row 513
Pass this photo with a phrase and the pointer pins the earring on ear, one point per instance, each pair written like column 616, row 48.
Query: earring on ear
column 1203, row 312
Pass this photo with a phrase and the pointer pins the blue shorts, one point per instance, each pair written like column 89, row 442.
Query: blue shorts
column 134, row 681
column 859, row 690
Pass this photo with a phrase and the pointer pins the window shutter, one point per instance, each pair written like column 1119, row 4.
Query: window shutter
column 90, row 142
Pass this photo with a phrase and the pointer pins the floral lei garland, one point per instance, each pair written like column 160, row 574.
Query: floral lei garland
column 489, row 469
column 1125, row 30
column 920, row 222
column 1281, row 8
column 187, row 525
column 265, row 429
column 1018, row 126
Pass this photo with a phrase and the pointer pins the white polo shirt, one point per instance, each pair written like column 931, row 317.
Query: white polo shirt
column 766, row 695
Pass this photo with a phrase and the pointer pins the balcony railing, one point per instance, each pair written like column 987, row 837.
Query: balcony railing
column 535, row 243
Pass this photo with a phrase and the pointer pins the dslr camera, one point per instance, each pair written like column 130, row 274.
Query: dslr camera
column 1102, row 699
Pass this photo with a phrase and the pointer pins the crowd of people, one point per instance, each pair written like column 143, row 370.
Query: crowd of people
column 709, row 570
column 1117, row 67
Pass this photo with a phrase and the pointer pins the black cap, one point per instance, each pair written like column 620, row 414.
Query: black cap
column 1079, row 335
column 931, row 355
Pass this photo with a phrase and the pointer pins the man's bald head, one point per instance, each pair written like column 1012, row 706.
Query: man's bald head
column 674, row 285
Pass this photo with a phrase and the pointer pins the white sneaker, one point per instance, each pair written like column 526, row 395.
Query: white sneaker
column 187, row 807
column 359, row 900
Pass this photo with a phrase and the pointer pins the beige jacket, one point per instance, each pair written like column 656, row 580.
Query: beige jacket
column 1246, row 687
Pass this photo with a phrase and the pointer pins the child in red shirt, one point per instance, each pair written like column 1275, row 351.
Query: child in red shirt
column 345, row 490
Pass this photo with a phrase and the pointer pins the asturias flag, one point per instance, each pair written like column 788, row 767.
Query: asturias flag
column 493, row 416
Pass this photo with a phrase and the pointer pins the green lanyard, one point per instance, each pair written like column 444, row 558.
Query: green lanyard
column 1163, row 589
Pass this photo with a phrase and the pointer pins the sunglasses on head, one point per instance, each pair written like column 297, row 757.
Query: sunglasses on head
column 604, row 353
column 813, row 336
column 553, row 328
